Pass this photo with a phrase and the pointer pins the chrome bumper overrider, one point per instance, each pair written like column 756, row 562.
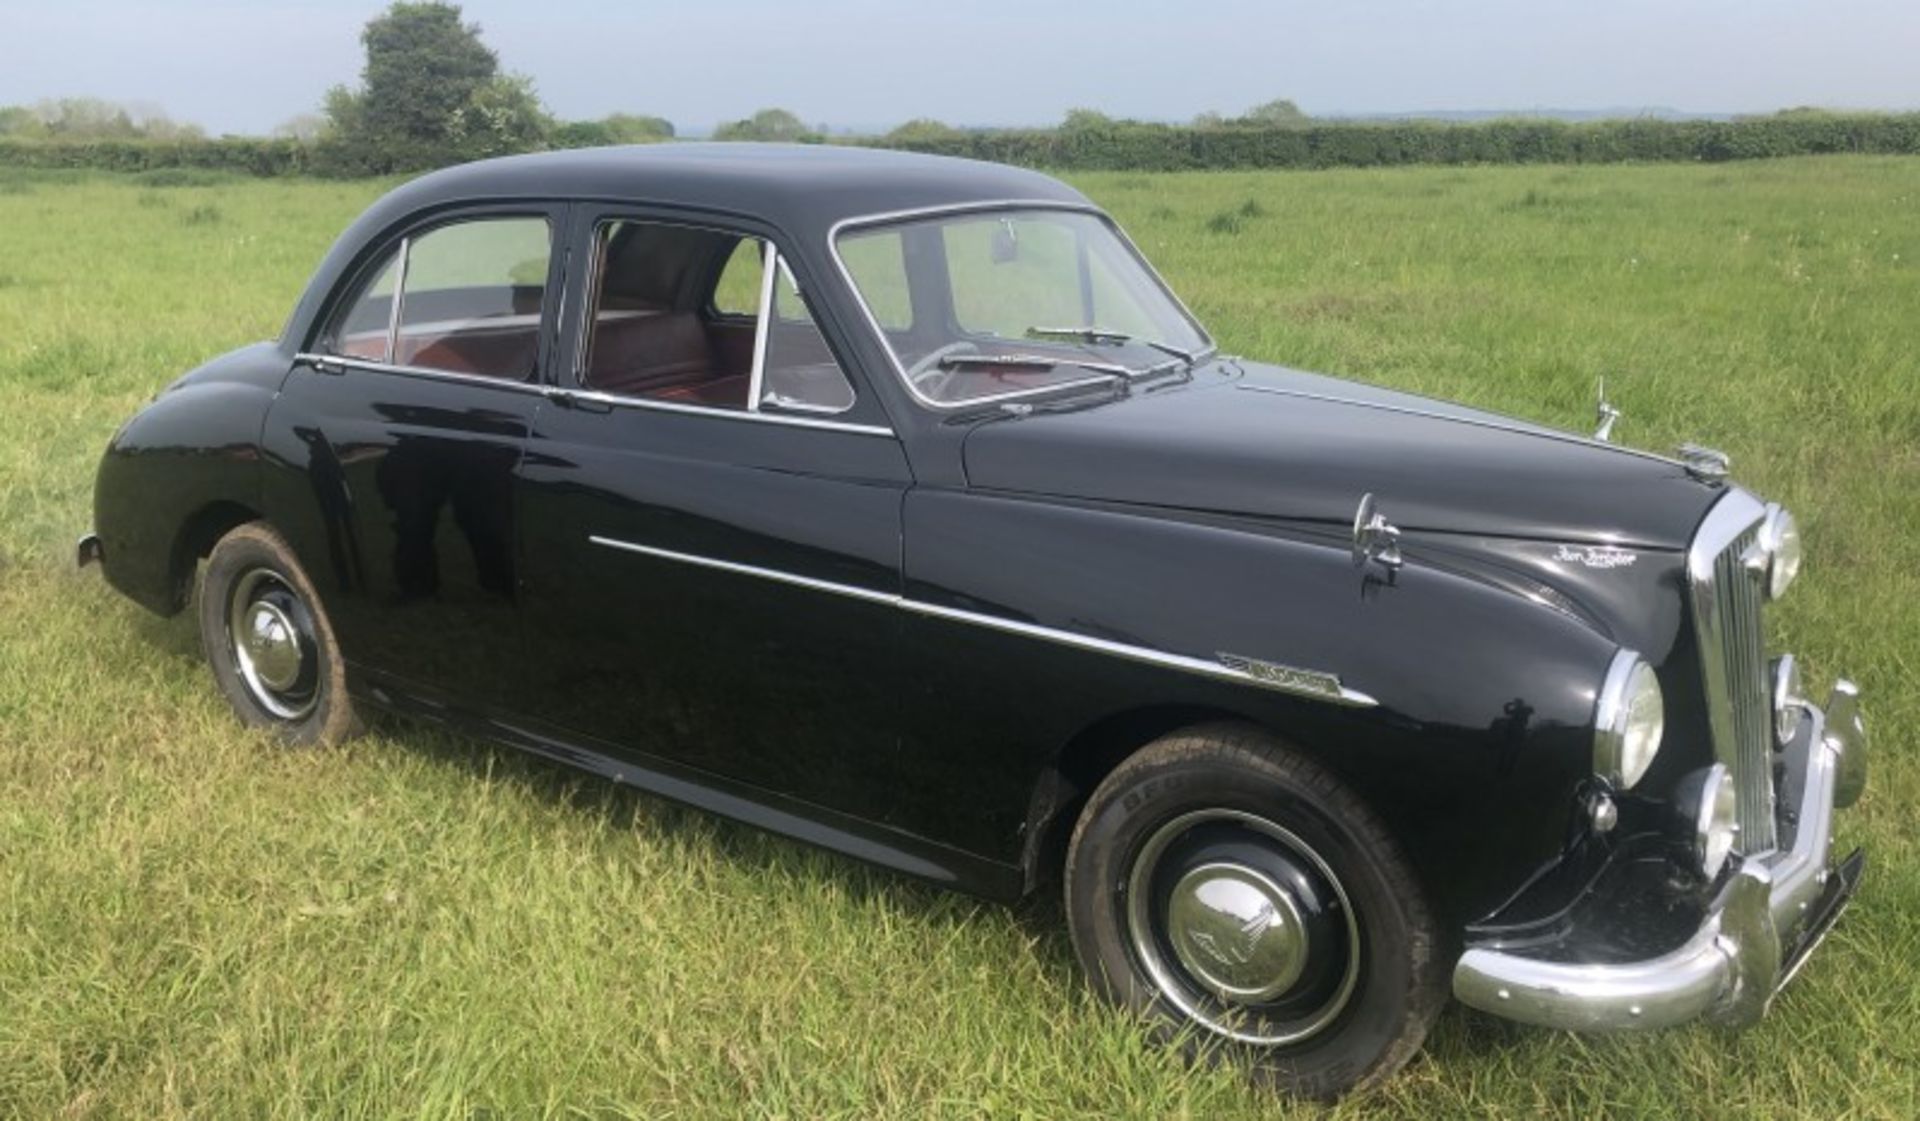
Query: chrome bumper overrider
column 1768, row 916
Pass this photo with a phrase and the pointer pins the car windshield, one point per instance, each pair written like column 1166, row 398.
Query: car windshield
column 983, row 306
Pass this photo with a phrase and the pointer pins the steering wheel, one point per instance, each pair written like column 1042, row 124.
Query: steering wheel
column 928, row 377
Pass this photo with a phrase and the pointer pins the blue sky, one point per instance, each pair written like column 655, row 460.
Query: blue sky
column 246, row 66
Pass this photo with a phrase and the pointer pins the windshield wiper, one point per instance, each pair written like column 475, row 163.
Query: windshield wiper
column 1101, row 335
column 1040, row 362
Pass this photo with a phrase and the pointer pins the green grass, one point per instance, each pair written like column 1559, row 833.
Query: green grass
column 194, row 923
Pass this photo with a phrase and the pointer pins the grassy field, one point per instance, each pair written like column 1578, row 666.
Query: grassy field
column 194, row 923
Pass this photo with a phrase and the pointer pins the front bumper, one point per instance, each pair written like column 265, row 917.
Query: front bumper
column 1768, row 916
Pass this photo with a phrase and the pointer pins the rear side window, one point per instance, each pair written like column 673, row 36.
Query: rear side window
column 470, row 300
column 738, row 290
column 704, row 317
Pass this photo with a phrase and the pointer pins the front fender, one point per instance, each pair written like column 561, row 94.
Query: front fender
column 1481, row 732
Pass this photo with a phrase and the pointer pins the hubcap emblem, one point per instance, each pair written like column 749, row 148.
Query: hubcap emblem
column 273, row 645
column 1237, row 932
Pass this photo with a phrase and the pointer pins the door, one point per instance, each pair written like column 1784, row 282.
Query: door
column 394, row 443
column 711, row 514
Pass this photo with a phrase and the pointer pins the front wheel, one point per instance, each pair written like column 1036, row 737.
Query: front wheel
column 1246, row 900
column 268, row 642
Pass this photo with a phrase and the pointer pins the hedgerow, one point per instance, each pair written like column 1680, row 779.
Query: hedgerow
column 1120, row 146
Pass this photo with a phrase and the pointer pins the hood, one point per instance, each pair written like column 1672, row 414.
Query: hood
column 1281, row 443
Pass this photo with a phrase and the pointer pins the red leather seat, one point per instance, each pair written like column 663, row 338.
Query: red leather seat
column 649, row 353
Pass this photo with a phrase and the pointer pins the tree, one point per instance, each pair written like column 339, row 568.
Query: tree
column 18, row 120
column 430, row 91
column 85, row 118
column 1208, row 119
column 637, row 128
column 767, row 124
column 1279, row 113
column 1086, row 120
column 303, row 127
column 923, row 129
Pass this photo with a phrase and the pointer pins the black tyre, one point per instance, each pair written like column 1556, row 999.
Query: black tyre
column 271, row 648
column 1252, row 905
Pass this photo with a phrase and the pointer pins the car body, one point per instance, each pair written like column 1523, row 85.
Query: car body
column 729, row 471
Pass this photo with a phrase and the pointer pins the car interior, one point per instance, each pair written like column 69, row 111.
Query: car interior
column 675, row 310
column 673, row 313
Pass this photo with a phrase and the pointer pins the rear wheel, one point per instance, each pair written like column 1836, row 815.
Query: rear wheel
column 1250, row 903
column 268, row 641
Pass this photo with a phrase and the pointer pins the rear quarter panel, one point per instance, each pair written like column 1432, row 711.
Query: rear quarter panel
column 184, row 465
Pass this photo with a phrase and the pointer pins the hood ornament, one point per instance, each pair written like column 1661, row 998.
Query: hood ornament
column 1704, row 462
column 1604, row 415
column 1375, row 538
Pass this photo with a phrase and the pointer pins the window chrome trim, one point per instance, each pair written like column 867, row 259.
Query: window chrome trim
column 757, row 370
column 895, row 217
column 311, row 358
column 523, row 385
column 619, row 402
column 399, row 298
column 1299, row 683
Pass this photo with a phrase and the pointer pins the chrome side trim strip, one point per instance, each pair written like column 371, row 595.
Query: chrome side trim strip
column 1144, row 654
column 851, row 591
column 1300, row 683
column 598, row 397
column 1497, row 426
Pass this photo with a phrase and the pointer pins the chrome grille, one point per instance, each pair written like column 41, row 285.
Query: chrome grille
column 1733, row 661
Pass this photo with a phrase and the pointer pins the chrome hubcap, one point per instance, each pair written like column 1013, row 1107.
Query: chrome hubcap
column 269, row 634
column 1237, row 932
column 273, row 646
column 1242, row 927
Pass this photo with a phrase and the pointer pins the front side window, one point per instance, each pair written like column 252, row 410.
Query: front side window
column 469, row 300
column 984, row 305
column 704, row 317
column 364, row 327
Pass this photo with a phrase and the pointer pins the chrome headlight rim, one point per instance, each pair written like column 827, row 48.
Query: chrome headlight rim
column 1625, row 740
column 1780, row 550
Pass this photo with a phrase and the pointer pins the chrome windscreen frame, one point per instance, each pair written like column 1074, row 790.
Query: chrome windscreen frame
column 879, row 334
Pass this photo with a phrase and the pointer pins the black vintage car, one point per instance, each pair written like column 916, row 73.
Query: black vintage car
column 893, row 503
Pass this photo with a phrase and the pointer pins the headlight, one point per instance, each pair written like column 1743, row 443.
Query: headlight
column 1628, row 721
column 1705, row 802
column 1779, row 551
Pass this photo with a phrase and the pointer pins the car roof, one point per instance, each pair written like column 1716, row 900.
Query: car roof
column 800, row 187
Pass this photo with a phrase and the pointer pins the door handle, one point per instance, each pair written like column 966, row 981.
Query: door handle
column 568, row 399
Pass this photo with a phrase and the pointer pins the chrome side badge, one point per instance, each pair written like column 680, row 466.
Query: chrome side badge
column 1293, row 680
column 1595, row 556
